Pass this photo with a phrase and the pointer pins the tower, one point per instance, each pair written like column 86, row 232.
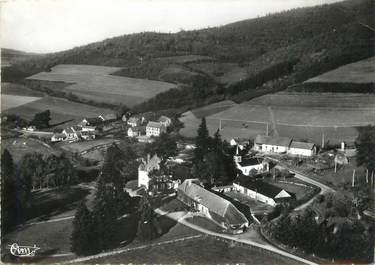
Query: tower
column 237, row 157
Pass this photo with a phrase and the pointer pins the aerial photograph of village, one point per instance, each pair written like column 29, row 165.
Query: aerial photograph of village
column 187, row 132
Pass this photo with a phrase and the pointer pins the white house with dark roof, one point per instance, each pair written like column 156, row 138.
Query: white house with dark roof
column 261, row 191
column 154, row 129
column 302, row 149
column 136, row 131
column 145, row 168
column 212, row 206
column 274, row 144
column 249, row 164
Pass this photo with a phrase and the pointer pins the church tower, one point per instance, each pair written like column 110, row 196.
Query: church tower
column 237, row 157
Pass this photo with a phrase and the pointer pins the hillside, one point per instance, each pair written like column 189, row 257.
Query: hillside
column 10, row 56
column 238, row 61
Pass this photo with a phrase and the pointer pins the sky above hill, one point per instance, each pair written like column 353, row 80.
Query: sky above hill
column 55, row 25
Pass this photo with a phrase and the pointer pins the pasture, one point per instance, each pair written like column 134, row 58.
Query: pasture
column 13, row 101
column 299, row 115
column 97, row 83
column 19, row 90
column 62, row 111
column 360, row 72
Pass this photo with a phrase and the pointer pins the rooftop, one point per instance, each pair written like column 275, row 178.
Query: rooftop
column 273, row 140
column 302, row 145
column 250, row 162
column 154, row 124
column 213, row 202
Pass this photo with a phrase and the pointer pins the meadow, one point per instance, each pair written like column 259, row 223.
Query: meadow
column 302, row 116
column 62, row 111
column 96, row 83
column 13, row 101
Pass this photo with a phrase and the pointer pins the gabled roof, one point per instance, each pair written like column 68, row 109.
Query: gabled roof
column 273, row 140
column 213, row 202
column 302, row 145
column 154, row 124
column 164, row 119
column 69, row 130
column 138, row 128
column 133, row 119
column 250, row 162
column 261, row 187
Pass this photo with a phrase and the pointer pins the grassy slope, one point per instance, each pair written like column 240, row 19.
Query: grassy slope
column 275, row 51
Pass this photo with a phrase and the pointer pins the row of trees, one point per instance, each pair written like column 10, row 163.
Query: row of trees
column 33, row 172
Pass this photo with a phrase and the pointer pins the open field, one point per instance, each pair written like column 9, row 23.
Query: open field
column 299, row 115
column 203, row 250
column 183, row 59
column 62, row 110
column 19, row 90
column 12, row 101
column 96, row 83
column 18, row 147
column 361, row 72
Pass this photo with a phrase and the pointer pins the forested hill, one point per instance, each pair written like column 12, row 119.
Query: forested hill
column 270, row 53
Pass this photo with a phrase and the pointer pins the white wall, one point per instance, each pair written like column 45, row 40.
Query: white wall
column 143, row 178
column 301, row 152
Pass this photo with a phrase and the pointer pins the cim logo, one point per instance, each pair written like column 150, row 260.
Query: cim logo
column 23, row 251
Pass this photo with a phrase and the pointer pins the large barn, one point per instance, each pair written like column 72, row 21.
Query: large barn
column 213, row 206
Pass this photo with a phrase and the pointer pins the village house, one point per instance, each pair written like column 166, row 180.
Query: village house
column 164, row 120
column 302, row 149
column 261, row 191
column 58, row 137
column 155, row 129
column 248, row 165
column 88, row 135
column 93, row 122
column 144, row 169
column 71, row 133
column 136, row 131
column 212, row 206
column 273, row 144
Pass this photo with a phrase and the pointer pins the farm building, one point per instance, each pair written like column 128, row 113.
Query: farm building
column 88, row 135
column 302, row 149
column 136, row 131
column 164, row 120
column 213, row 206
column 155, row 128
column 272, row 144
column 250, row 164
column 58, row 137
column 261, row 191
column 71, row 133
column 146, row 166
column 108, row 117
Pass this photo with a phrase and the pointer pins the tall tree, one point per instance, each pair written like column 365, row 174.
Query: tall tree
column 82, row 238
column 33, row 171
column 365, row 144
column 165, row 146
column 147, row 229
column 41, row 120
column 202, row 141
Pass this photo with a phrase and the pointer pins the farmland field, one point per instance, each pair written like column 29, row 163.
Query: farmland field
column 96, row 83
column 62, row 110
column 13, row 101
column 18, row 90
column 298, row 115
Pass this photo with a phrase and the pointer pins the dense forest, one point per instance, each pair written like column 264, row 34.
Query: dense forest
column 274, row 51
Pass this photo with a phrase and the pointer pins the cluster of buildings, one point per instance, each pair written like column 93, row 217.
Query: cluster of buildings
column 87, row 129
column 139, row 126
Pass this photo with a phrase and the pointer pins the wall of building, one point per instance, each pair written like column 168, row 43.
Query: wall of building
column 254, row 195
column 143, row 178
column 301, row 152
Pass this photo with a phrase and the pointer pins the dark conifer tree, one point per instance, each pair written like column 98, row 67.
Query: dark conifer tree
column 82, row 238
column 202, row 142
column 147, row 229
